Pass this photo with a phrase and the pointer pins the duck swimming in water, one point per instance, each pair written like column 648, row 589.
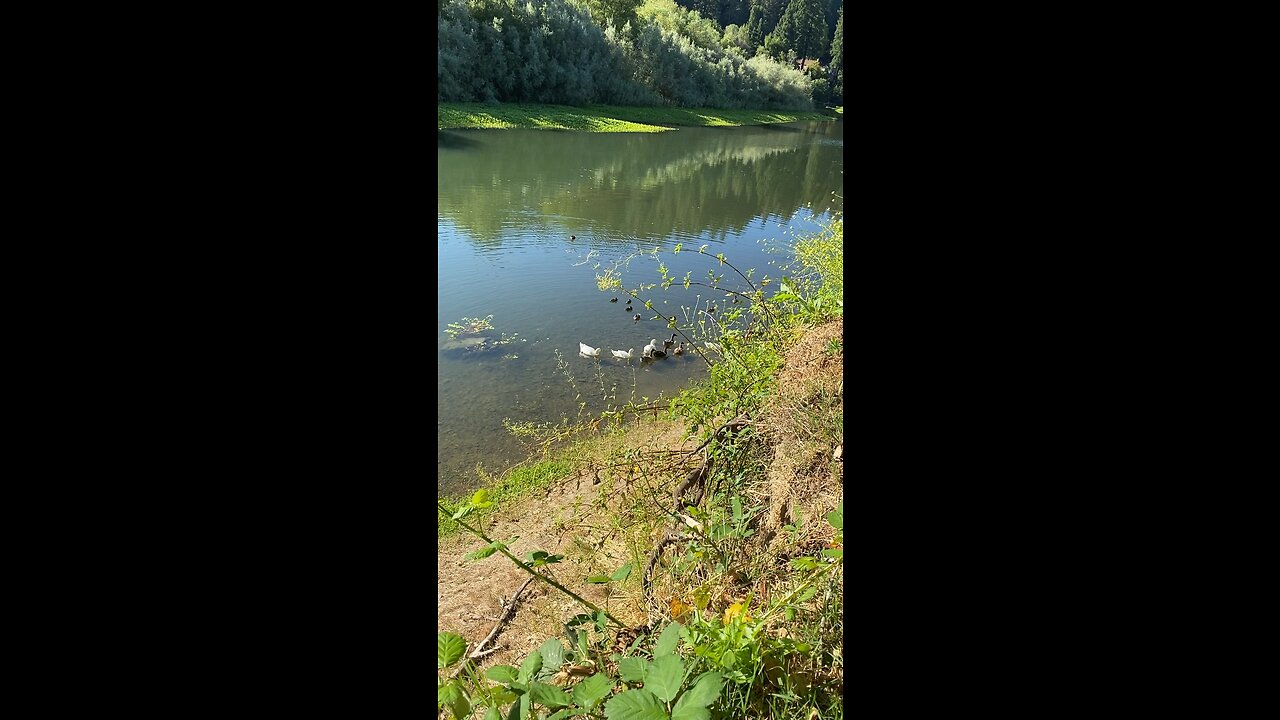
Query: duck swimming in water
column 586, row 350
column 679, row 350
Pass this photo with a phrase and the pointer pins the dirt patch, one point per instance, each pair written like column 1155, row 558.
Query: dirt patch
column 575, row 518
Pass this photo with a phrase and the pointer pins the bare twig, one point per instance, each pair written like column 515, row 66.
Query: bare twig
column 476, row 654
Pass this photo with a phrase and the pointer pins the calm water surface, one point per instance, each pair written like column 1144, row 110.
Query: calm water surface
column 508, row 202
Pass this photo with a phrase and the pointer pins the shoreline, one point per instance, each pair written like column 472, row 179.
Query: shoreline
column 611, row 118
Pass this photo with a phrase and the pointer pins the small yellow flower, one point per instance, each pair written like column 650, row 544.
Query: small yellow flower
column 736, row 610
column 678, row 609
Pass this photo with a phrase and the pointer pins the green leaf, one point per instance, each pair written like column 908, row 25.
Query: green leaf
column 462, row 511
column 592, row 690
column 807, row 594
column 520, row 709
column 549, row 695
column 501, row 673
column 485, row 551
column 446, row 694
column 566, row 713
column 457, row 702
column 704, row 692
column 668, row 640
column 580, row 619
column 634, row 705
column 691, row 712
column 836, row 517
column 737, row 509
column 552, row 655
column 481, row 498
column 531, row 665
column 622, row 573
column 837, row 553
column 599, row 579
column 633, row 669
column 663, row 679
column 492, row 714
column 449, row 649
column 804, row 563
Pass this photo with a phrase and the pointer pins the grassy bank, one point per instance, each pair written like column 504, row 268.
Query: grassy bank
column 606, row 118
column 700, row 576
column 518, row 482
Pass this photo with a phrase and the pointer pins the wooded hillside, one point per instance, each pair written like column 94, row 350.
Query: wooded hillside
column 765, row 54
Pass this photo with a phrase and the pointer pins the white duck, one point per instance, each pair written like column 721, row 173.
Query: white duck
column 654, row 352
column 586, row 350
column 624, row 354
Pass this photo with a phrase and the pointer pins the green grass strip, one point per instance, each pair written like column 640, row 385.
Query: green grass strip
column 607, row 118
column 519, row 482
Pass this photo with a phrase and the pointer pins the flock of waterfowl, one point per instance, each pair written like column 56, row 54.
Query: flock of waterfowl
column 653, row 351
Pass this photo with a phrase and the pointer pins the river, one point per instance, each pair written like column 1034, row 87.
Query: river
column 527, row 220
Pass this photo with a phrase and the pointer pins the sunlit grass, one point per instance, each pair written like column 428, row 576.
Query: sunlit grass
column 605, row 118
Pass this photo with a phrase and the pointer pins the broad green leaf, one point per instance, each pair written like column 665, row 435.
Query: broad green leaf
column 566, row 713
column 691, row 712
column 592, row 690
column 531, row 665
column 462, row 512
column 622, row 573
column 668, row 640
column 599, row 579
column 446, row 694
column 481, row 498
column 501, row 673
column 807, row 594
column 549, row 695
column 634, row 705
column 449, row 649
column 457, row 702
column 519, row 709
column 553, row 558
column 836, row 517
column 552, row 655
column 705, row 690
column 737, row 509
column 663, row 679
column 834, row 553
column 503, row 696
column 633, row 669
column 492, row 714
column 580, row 619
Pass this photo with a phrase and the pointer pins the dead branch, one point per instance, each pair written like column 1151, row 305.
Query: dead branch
column 511, row 608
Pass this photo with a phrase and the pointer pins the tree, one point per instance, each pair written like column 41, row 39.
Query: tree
column 837, row 56
column 763, row 19
column 802, row 28
column 613, row 12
